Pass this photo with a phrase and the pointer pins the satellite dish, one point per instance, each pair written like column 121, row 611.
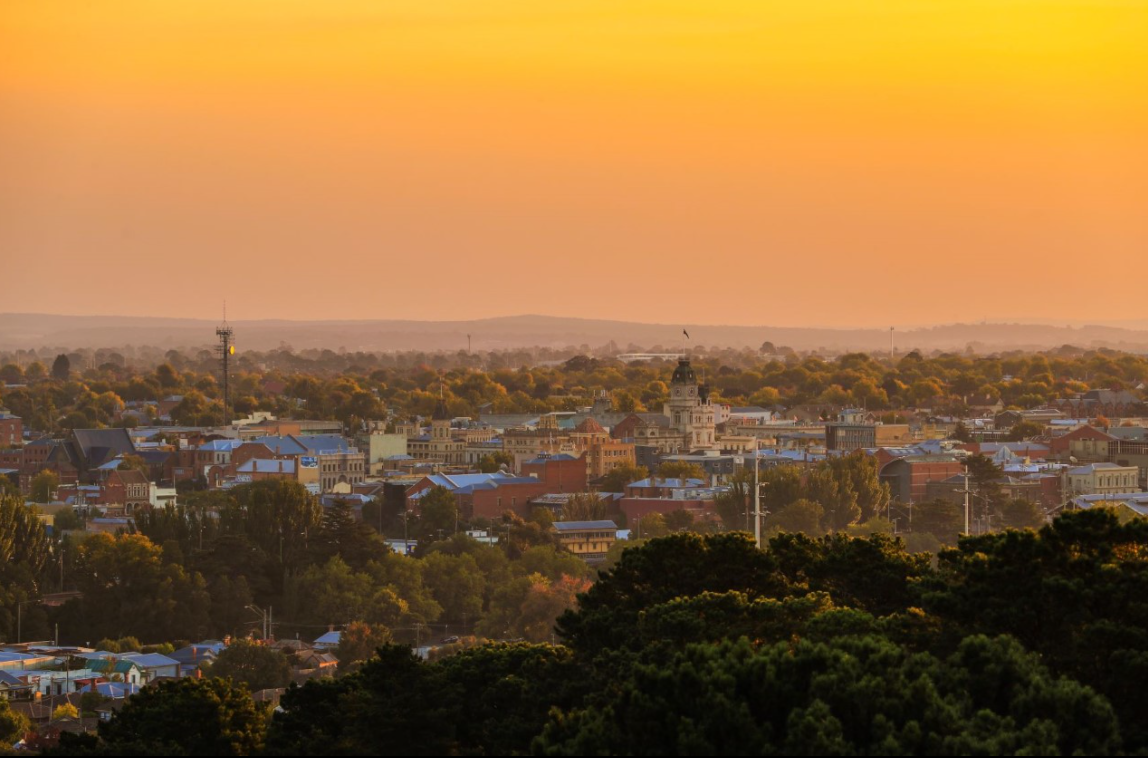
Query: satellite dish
column 1072, row 459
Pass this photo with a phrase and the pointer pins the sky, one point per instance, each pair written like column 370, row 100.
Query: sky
column 828, row 163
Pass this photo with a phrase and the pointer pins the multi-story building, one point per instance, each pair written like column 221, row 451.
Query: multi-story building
column 440, row 445
column 11, row 430
column 603, row 452
column 589, row 540
column 1103, row 479
column 690, row 417
column 377, row 446
column 909, row 476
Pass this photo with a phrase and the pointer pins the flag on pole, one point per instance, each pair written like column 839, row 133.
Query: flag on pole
column 686, row 333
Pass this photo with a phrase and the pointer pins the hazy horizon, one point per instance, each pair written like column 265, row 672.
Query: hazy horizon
column 26, row 331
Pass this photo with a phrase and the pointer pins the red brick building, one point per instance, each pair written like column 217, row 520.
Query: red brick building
column 1059, row 446
column 908, row 478
column 11, row 431
column 490, row 495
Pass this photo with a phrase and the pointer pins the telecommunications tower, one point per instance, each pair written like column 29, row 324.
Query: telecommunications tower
column 225, row 350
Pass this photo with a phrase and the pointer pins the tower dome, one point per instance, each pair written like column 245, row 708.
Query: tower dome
column 684, row 373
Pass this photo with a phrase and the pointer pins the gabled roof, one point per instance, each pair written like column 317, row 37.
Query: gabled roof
column 195, row 653
column 221, row 445
column 266, row 466
column 455, row 481
column 590, row 426
column 324, row 443
column 11, row 681
column 150, row 660
column 282, row 444
column 132, row 476
column 96, row 446
column 113, row 690
column 121, row 666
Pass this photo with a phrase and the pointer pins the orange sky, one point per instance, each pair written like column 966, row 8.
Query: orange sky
column 837, row 162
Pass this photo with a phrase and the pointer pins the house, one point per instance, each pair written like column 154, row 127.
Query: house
column 191, row 657
column 121, row 669
column 154, row 665
column 328, row 640
column 113, row 690
column 13, row 687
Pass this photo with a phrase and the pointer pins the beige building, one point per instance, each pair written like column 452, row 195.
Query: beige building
column 1103, row 479
column 589, row 540
column 690, row 417
column 528, row 444
column 603, row 452
column 378, row 446
column 440, row 445
column 345, row 468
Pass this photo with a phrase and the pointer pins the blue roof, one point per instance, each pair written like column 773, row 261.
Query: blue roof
column 8, row 656
column 266, row 466
column 329, row 638
column 325, row 443
column 494, row 484
column 455, row 481
column 11, row 681
column 114, row 690
column 283, row 445
column 221, row 445
column 672, row 483
column 96, row 655
column 150, row 660
column 197, row 652
column 559, row 457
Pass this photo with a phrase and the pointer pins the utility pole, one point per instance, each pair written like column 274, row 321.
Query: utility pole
column 756, row 497
column 264, row 615
column 967, row 492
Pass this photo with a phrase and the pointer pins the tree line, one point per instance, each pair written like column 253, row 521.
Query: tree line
column 1017, row 643
column 352, row 388
column 192, row 572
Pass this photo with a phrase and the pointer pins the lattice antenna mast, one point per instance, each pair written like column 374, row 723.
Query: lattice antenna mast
column 225, row 350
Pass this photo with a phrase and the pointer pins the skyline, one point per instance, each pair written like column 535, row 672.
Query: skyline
column 837, row 166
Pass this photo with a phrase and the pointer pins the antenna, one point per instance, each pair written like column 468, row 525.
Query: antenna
column 225, row 350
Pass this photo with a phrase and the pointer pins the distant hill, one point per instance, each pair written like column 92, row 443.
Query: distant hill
column 21, row 330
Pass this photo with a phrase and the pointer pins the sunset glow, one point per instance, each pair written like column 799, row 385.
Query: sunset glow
column 440, row 153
